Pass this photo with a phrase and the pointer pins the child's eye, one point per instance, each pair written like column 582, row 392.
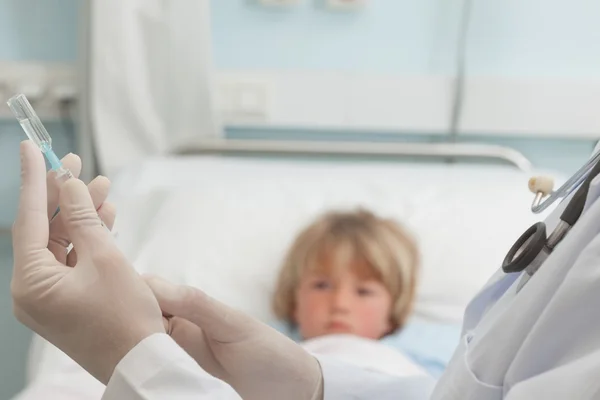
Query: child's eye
column 321, row 285
column 365, row 292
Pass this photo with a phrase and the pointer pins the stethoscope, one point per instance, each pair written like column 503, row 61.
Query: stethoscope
column 533, row 247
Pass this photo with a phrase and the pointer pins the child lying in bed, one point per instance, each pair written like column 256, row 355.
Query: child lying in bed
column 347, row 281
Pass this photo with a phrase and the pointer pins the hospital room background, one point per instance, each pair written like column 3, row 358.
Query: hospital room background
column 521, row 78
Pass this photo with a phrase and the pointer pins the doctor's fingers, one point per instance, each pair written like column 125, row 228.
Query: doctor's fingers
column 73, row 163
column 108, row 214
column 59, row 238
column 219, row 321
column 30, row 230
column 83, row 225
column 192, row 339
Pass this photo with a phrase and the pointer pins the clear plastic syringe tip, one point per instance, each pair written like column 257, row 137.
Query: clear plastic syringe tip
column 30, row 122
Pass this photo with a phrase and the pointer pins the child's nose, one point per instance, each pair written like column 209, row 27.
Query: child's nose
column 342, row 299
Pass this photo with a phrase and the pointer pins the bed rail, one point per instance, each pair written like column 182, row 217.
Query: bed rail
column 444, row 151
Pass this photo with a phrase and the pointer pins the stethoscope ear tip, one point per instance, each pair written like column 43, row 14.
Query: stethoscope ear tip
column 543, row 184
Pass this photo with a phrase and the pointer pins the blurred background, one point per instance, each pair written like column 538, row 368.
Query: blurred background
column 523, row 74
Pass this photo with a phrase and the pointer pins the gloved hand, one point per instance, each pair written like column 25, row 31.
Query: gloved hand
column 100, row 309
column 257, row 361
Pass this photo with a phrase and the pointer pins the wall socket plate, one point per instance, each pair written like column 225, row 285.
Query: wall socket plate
column 345, row 4
column 279, row 3
column 241, row 101
column 48, row 86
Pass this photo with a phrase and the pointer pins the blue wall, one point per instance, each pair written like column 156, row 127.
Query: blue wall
column 535, row 37
column 557, row 37
column 507, row 37
column 389, row 36
column 39, row 30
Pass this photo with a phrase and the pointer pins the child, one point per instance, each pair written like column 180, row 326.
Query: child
column 348, row 280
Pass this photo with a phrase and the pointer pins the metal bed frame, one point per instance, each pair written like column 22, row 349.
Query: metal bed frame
column 448, row 152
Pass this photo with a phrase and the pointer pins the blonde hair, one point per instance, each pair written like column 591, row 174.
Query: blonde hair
column 389, row 252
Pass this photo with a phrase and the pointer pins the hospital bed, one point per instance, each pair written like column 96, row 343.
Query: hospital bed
column 217, row 216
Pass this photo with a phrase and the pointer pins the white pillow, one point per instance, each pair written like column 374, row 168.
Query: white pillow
column 227, row 227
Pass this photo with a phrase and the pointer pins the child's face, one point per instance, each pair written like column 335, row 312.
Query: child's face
column 344, row 303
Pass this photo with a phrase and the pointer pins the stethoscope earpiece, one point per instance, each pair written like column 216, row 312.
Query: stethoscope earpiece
column 542, row 184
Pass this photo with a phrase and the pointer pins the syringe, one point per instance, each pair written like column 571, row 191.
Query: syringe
column 37, row 133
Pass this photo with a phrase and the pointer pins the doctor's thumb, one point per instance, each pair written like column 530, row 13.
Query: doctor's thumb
column 83, row 225
column 215, row 318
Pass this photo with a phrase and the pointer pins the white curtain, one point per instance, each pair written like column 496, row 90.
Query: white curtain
column 151, row 85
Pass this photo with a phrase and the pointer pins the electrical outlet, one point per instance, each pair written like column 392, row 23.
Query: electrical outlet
column 48, row 86
column 243, row 101
column 345, row 4
column 279, row 2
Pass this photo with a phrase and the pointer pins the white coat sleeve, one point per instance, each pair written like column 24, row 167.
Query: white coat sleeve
column 157, row 368
column 343, row 381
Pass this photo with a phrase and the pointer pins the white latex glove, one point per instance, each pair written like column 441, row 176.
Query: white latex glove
column 100, row 309
column 257, row 361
